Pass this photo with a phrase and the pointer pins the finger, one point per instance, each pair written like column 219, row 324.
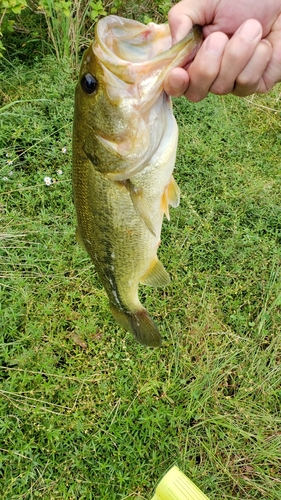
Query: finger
column 250, row 79
column 176, row 82
column 206, row 66
column 272, row 74
column 237, row 54
column 184, row 15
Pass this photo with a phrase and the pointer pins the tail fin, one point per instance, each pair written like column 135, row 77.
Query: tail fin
column 139, row 324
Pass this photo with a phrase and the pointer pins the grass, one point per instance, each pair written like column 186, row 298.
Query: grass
column 86, row 413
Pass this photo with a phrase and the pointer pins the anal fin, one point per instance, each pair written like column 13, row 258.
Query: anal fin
column 156, row 275
column 171, row 196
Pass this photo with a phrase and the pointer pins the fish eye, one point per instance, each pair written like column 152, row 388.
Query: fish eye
column 89, row 83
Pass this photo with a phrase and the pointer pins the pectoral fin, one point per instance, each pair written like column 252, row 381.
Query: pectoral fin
column 140, row 205
column 171, row 196
column 156, row 275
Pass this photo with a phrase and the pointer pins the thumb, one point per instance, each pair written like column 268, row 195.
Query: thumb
column 184, row 15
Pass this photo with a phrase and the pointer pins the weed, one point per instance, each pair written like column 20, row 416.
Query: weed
column 69, row 24
column 86, row 412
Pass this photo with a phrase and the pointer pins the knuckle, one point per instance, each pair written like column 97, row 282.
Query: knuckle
column 174, row 13
column 234, row 55
column 206, row 72
column 245, row 80
column 220, row 88
column 194, row 95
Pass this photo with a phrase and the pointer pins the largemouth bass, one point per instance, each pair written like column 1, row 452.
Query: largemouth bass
column 124, row 149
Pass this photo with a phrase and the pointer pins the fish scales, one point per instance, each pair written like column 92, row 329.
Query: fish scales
column 124, row 148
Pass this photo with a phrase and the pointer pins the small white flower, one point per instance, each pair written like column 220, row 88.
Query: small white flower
column 59, row 172
column 5, row 178
column 64, row 150
column 48, row 181
column 11, row 173
column 10, row 162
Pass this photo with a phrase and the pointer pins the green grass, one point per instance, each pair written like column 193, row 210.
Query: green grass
column 86, row 413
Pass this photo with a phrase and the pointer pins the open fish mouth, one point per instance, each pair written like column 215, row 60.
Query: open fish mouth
column 132, row 51
column 134, row 59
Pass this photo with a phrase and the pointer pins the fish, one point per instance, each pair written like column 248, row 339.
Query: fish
column 124, row 149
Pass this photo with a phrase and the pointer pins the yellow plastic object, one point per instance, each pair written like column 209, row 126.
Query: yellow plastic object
column 176, row 486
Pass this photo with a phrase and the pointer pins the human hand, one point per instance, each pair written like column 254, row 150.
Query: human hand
column 241, row 53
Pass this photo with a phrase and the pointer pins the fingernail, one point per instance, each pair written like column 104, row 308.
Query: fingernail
column 176, row 81
column 251, row 29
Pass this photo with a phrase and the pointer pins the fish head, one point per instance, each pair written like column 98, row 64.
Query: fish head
column 120, row 102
